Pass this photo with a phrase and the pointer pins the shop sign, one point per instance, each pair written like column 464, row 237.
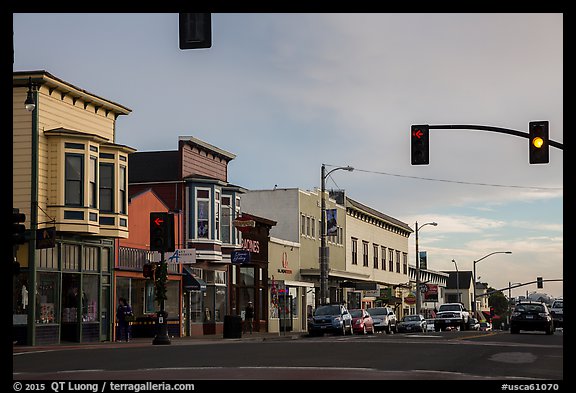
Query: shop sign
column 410, row 299
column 240, row 256
column 431, row 293
column 285, row 269
column 251, row 245
column 45, row 238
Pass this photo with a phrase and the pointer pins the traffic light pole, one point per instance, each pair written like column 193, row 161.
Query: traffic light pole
column 162, row 337
column 493, row 129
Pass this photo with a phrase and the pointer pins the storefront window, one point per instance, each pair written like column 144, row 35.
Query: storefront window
column 46, row 297
column 71, row 297
column 90, row 286
column 20, row 299
column 172, row 302
column 246, row 276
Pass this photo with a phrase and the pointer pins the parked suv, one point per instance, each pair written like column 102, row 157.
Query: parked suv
column 331, row 318
column 384, row 319
column 557, row 311
column 531, row 315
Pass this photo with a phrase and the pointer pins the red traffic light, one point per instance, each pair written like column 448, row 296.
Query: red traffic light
column 419, row 144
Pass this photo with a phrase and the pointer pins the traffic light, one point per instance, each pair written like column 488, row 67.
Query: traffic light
column 195, row 30
column 492, row 312
column 539, row 282
column 419, row 144
column 18, row 229
column 148, row 270
column 539, row 144
column 161, row 232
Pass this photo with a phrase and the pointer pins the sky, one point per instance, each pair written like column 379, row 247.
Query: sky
column 287, row 93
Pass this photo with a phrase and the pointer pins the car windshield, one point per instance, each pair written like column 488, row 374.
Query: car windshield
column 558, row 305
column 328, row 310
column 483, row 324
column 411, row 318
column 449, row 307
column 356, row 313
column 377, row 311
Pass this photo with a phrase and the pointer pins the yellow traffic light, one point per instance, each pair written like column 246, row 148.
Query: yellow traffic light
column 537, row 142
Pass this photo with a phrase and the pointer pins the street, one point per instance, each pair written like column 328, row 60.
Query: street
column 431, row 356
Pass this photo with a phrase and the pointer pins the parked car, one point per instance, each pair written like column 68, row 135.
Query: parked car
column 330, row 318
column 474, row 324
column 362, row 321
column 485, row 326
column 531, row 315
column 430, row 325
column 412, row 323
column 384, row 319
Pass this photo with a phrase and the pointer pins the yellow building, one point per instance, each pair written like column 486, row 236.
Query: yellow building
column 70, row 180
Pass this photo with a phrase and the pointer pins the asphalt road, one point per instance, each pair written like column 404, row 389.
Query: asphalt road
column 430, row 356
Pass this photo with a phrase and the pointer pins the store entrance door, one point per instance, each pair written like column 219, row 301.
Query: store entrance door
column 285, row 313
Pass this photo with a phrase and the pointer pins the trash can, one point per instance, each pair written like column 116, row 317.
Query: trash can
column 232, row 326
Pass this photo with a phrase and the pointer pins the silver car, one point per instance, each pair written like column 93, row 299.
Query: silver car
column 384, row 319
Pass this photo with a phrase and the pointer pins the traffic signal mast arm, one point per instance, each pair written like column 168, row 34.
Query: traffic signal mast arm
column 516, row 286
column 493, row 129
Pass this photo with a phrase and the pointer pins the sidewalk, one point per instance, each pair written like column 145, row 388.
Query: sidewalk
column 144, row 341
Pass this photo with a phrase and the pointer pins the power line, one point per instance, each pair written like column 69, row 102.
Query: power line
column 454, row 181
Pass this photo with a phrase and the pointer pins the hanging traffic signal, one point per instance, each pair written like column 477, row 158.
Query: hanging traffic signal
column 195, row 30
column 419, row 144
column 539, row 144
column 148, row 270
column 492, row 312
column 539, row 282
column 161, row 232
column 18, row 229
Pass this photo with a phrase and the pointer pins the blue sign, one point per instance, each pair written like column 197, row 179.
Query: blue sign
column 240, row 256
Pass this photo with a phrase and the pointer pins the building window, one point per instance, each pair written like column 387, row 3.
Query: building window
column 365, row 253
column 237, row 233
column 226, row 221
column 217, row 215
column 313, row 222
column 90, row 259
column 390, row 259
column 383, row 254
column 308, row 226
column 376, row 247
column 122, row 188
column 107, row 188
column 74, row 173
column 92, row 183
column 405, row 262
column 397, row 261
column 202, row 213
column 354, row 251
column 302, row 224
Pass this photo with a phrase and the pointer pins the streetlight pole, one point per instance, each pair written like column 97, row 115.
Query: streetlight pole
column 324, row 262
column 457, row 281
column 418, row 293
column 474, row 274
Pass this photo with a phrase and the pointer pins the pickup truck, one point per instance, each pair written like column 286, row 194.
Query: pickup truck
column 452, row 315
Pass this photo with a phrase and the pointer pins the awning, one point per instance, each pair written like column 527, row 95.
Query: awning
column 191, row 282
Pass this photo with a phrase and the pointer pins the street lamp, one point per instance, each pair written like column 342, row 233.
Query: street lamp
column 418, row 293
column 323, row 251
column 30, row 104
column 457, row 281
column 474, row 274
